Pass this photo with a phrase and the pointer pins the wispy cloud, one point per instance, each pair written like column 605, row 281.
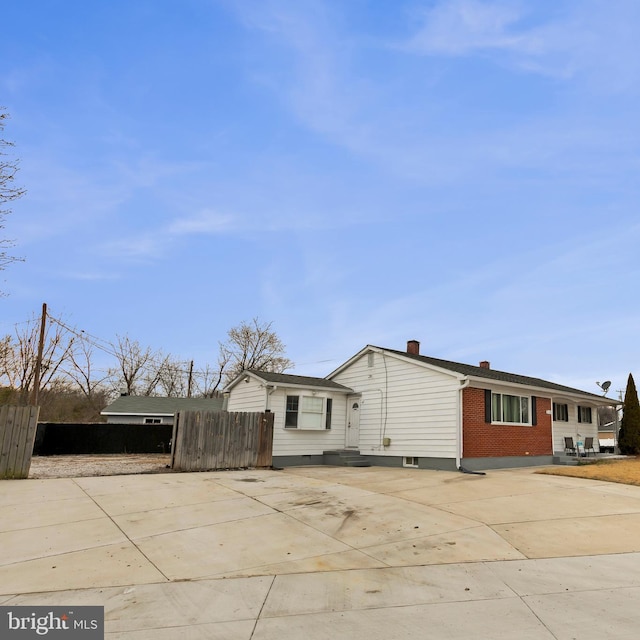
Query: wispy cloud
column 322, row 84
column 156, row 243
column 203, row 222
column 90, row 276
column 462, row 27
column 590, row 39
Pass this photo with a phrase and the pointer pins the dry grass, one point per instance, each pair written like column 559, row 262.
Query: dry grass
column 623, row 471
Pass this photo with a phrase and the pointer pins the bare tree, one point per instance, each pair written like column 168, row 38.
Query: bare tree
column 171, row 378
column 80, row 372
column 207, row 381
column 8, row 191
column 131, row 376
column 251, row 345
column 18, row 357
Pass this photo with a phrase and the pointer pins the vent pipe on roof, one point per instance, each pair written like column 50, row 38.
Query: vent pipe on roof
column 413, row 347
column 485, row 364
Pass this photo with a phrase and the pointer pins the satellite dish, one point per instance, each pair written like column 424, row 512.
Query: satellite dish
column 605, row 385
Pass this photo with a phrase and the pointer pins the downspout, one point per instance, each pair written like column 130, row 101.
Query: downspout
column 459, row 451
column 383, row 426
column 269, row 389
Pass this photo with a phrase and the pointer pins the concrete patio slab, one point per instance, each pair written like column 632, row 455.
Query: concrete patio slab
column 381, row 588
column 550, row 504
column 49, row 513
column 23, row 493
column 561, row 575
column 105, row 485
column 230, row 546
column 377, row 519
column 53, row 540
column 328, row 562
column 264, row 482
column 120, row 499
column 119, row 564
column 329, row 552
column 605, row 613
column 503, row 619
column 574, row 536
column 466, row 487
column 242, row 630
column 475, row 544
column 166, row 605
column 144, row 524
column 375, row 479
column 327, row 494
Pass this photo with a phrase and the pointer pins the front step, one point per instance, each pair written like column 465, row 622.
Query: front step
column 566, row 461
column 344, row 458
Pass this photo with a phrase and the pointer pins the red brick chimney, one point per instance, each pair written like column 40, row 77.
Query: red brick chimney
column 413, row 347
column 485, row 364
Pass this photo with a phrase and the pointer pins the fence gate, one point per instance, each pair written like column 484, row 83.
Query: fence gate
column 17, row 434
column 209, row 440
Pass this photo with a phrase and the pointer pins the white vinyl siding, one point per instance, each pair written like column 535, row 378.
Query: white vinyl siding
column 252, row 396
column 139, row 419
column 297, row 442
column 248, row 396
column 414, row 406
column 571, row 428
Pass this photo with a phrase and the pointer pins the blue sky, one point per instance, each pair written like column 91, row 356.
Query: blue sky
column 460, row 172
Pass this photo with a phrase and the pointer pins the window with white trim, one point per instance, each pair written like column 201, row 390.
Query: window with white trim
column 584, row 414
column 507, row 408
column 308, row 412
column 560, row 412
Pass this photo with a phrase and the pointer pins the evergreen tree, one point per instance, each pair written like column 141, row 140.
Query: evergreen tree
column 629, row 437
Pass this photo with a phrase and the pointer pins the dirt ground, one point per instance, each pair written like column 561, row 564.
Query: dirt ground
column 98, row 465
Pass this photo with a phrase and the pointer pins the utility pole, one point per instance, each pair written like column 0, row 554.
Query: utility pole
column 190, row 379
column 36, row 377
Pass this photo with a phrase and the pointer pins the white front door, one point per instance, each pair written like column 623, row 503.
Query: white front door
column 353, row 423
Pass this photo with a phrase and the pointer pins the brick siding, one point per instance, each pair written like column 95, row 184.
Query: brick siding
column 481, row 439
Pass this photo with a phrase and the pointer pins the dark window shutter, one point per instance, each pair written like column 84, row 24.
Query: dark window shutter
column 534, row 413
column 487, row 405
column 579, row 414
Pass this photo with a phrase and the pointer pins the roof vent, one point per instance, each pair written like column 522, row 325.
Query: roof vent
column 485, row 364
column 413, row 347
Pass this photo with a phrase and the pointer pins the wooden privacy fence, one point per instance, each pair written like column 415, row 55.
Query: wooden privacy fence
column 17, row 433
column 209, row 440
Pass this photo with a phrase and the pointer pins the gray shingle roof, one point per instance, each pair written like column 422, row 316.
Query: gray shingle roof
column 306, row 381
column 493, row 374
column 136, row 405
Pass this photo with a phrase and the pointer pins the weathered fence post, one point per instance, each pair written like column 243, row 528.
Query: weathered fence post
column 17, row 435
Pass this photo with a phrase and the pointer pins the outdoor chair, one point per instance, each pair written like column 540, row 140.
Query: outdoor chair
column 588, row 446
column 569, row 447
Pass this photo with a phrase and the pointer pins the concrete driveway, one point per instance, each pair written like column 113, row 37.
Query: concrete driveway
column 326, row 552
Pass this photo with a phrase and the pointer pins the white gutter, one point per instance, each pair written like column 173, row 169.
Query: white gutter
column 459, row 451
column 150, row 414
column 576, row 396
